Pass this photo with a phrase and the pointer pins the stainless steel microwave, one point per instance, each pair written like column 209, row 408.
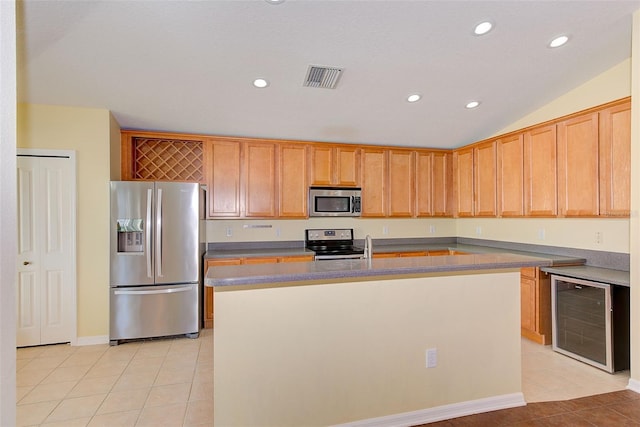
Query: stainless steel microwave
column 334, row 201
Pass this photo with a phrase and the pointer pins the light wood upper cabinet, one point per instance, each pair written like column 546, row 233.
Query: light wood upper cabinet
column 442, row 194
column 484, row 179
column 463, row 181
column 540, row 188
column 374, row 182
column 334, row 166
column 259, row 179
column 292, row 181
column 615, row 160
column 424, row 183
column 433, row 183
column 156, row 156
column 401, row 178
column 510, row 176
column 578, row 166
column 223, row 161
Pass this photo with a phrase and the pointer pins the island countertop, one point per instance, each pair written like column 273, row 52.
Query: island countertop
column 283, row 274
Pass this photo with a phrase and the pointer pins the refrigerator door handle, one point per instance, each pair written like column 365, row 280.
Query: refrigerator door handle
column 148, row 233
column 154, row 292
column 159, row 234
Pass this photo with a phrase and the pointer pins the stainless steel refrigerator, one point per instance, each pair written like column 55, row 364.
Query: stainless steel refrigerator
column 155, row 260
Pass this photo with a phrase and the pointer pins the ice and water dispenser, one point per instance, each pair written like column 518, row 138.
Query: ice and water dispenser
column 130, row 235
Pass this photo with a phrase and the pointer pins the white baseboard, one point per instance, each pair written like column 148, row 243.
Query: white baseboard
column 634, row 385
column 98, row 339
column 444, row 412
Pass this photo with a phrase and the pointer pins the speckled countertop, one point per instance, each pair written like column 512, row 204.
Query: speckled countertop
column 556, row 260
column 282, row 274
column 597, row 274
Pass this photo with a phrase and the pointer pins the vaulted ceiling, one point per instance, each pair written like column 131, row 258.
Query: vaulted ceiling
column 189, row 66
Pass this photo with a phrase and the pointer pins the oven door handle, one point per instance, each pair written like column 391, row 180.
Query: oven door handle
column 334, row 257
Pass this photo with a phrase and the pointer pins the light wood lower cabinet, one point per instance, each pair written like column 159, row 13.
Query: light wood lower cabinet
column 535, row 305
column 438, row 252
column 219, row 262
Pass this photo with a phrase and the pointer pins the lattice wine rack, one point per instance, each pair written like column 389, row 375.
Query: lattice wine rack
column 167, row 159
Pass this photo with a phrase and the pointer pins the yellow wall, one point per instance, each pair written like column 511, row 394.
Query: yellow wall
column 357, row 350
column 89, row 133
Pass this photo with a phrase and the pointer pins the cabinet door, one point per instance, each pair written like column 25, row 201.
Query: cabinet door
column 578, row 166
column 528, row 307
column 540, row 189
column 347, row 166
column 463, row 181
column 223, row 188
column 424, row 184
column 292, row 183
column 615, row 160
column 208, row 291
column 484, row 179
column 401, row 177
column 321, row 170
column 510, row 176
column 442, row 196
column 259, row 184
column 374, row 183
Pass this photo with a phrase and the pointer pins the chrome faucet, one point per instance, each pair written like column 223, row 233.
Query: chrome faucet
column 368, row 247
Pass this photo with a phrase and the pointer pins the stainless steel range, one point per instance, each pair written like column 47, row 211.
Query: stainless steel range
column 332, row 243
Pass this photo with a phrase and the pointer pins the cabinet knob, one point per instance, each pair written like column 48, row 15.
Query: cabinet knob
column 26, row 263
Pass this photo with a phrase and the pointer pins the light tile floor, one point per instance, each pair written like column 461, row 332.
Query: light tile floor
column 170, row 382
column 148, row 383
column 547, row 376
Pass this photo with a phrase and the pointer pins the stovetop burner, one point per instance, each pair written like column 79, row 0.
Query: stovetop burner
column 332, row 244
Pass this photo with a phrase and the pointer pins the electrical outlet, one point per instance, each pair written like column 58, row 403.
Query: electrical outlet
column 277, row 231
column 385, row 230
column 229, row 231
column 598, row 237
column 432, row 357
column 432, row 229
column 478, row 231
column 541, row 234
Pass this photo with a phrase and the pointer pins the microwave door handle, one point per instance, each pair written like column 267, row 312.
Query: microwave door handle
column 353, row 204
column 148, row 233
column 159, row 233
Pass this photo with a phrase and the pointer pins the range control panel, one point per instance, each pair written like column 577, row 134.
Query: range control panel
column 330, row 234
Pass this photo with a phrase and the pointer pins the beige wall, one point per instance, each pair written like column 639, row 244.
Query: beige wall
column 89, row 133
column 333, row 353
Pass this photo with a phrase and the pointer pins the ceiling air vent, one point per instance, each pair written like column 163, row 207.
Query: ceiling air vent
column 324, row 77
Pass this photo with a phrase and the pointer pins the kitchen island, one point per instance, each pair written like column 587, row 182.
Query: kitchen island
column 346, row 341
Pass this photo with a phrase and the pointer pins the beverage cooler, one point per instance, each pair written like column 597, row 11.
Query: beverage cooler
column 591, row 322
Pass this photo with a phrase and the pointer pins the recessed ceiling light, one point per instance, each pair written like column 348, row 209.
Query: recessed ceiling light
column 472, row 104
column 482, row 28
column 414, row 97
column 559, row 41
column 260, row 83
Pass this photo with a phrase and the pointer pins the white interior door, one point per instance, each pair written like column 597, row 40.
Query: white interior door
column 46, row 250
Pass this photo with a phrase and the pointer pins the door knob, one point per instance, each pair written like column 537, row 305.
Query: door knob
column 26, row 263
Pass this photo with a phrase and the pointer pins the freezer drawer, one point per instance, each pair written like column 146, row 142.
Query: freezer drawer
column 153, row 311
